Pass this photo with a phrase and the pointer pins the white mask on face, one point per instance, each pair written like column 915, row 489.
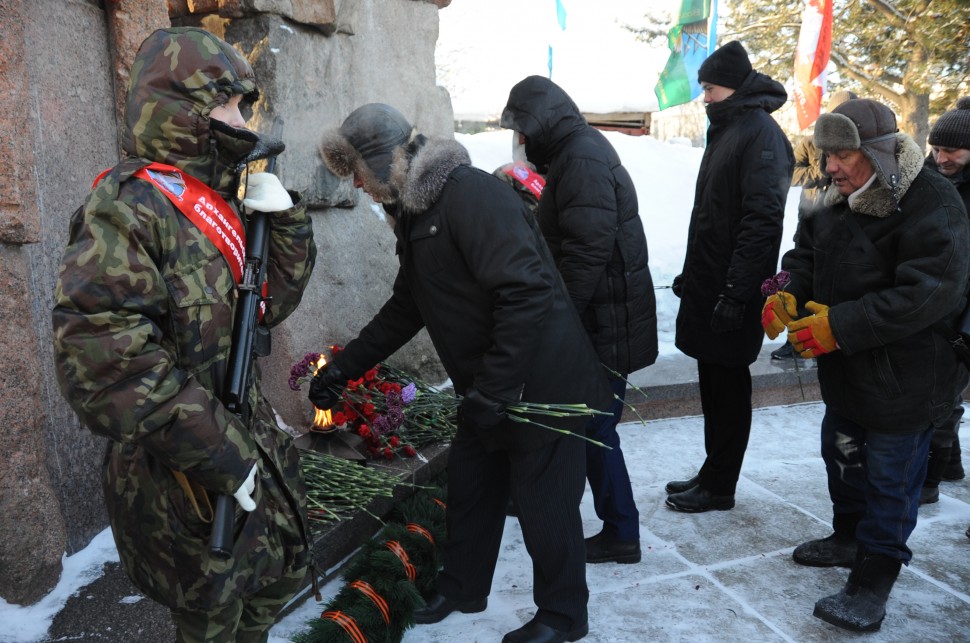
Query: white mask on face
column 518, row 149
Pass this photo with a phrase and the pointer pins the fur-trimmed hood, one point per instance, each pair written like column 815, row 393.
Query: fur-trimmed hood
column 420, row 183
column 878, row 200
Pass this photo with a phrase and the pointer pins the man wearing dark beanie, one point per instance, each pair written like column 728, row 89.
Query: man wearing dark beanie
column 950, row 142
column 950, row 155
column 732, row 247
column 728, row 66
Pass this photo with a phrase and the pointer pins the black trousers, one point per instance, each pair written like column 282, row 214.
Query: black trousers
column 726, row 403
column 547, row 486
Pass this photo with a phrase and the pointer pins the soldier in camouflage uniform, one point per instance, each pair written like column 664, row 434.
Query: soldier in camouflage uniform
column 142, row 329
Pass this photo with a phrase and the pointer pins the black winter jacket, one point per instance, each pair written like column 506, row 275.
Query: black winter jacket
column 886, row 286
column 476, row 272
column 589, row 215
column 736, row 223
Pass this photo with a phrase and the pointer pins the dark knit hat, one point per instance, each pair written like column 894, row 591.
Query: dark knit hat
column 862, row 124
column 367, row 144
column 839, row 97
column 952, row 129
column 728, row 66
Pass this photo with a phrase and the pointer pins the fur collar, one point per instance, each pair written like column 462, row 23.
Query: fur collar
column 878, row 200
column 421, row 181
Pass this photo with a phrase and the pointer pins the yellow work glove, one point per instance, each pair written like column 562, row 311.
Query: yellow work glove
column 777, row 313
column 812, row 336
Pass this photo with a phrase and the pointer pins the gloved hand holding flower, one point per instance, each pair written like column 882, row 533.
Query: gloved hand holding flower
column 777, row 313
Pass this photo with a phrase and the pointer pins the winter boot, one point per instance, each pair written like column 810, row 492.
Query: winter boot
column 837, row 550
column 861, row 605
column 954, row 468
column 939, row 458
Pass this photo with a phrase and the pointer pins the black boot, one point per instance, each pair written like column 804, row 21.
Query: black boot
column 954, row 468
column 837, row 550
column 785, row 352
column 697, row 499
column 603, row 549
column 680, row 486
column 438, row 607
column 861, row 605
column 939, row 458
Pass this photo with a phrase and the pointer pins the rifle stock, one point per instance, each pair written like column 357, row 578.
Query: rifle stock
column 250, row 339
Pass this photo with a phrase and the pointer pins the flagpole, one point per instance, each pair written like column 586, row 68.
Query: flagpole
column 561, row 20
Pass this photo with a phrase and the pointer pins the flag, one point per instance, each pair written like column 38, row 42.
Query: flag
column 811, row 59
column 561, row 19
column 691, row 40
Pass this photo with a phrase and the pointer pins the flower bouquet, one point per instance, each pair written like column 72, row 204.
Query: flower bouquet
column 392, row 413
column 395, row 414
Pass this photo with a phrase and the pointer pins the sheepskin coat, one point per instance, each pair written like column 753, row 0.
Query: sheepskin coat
column 887, row 283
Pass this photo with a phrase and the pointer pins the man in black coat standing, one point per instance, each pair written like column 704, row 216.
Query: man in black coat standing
column 950, row 156
column 589, row 216
column 732, row 247
column 476, row 273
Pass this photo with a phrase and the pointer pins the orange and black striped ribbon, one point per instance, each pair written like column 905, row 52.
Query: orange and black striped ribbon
column 415, row 528
column 402, row 555
column 348, row 624
column 378, row 600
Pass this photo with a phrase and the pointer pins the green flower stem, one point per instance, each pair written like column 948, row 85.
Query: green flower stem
column 636, row 388
column 516, row 418
column 338, row 488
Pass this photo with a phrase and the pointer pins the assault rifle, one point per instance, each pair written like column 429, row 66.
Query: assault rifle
column 250, row 339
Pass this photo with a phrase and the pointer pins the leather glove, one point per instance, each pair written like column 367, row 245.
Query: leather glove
column 812, row 336
column 777, row 313
column 678, row 285
column 244, row 495
column 327, row 386
column 265, row 193
column 728, row 314
column 479, row 410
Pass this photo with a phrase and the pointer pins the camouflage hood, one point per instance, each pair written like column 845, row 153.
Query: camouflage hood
column 179, row 75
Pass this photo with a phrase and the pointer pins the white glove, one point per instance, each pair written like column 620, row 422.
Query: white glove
column 265, row 193
column 244, row 496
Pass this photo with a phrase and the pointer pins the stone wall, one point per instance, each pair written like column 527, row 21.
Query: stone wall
column 63, row 65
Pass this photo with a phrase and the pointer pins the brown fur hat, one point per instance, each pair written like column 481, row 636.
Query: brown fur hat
column 368, row 144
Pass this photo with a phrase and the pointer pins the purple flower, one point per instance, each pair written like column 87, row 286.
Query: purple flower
column 301, row 370
column 395, row 418
column 393, row 400
column 409, row 392
column 772, row 285
column 381, row 425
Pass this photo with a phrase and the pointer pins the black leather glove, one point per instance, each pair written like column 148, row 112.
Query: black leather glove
column 728, row 314
column 479, row 410
column 678, row 285
column 327, row 385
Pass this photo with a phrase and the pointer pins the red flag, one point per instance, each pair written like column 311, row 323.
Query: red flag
column 811, row 59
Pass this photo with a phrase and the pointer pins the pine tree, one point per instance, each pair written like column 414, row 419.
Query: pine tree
column 913, row 55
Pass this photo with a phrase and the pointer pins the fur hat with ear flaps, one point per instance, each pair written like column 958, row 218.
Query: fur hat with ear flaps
column 370, row 143
column 866, row 125
column 869, row 126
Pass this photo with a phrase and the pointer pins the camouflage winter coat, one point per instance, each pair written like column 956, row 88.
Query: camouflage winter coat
column 142, row 329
